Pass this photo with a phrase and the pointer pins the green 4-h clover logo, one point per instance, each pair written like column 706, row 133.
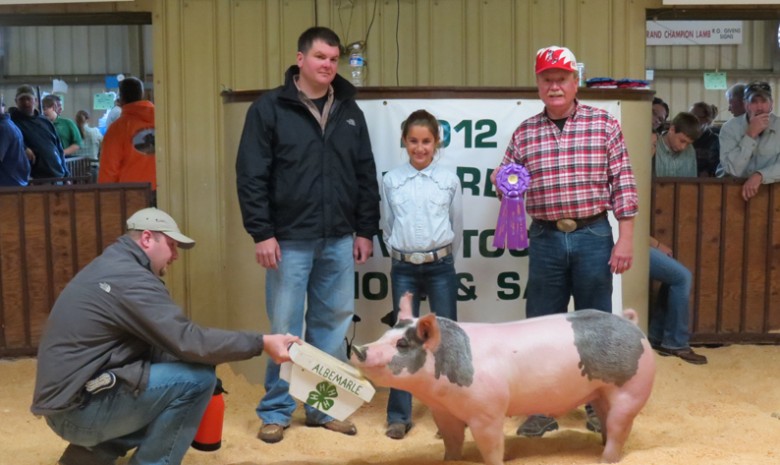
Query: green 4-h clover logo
column 322, row 398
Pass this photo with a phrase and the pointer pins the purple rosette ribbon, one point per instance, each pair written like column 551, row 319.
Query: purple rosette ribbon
column 511, row 230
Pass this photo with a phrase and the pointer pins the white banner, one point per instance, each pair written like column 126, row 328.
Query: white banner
column 475, row 136
column 693, row 32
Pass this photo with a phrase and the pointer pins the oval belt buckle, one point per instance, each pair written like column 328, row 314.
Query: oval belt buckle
column 566, row 225
column 418, row 258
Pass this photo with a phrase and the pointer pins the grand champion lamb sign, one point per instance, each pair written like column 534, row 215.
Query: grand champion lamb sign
column 475, row 134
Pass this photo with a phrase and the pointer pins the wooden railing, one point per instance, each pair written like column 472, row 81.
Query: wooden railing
column 732, row 247
column 47, row 234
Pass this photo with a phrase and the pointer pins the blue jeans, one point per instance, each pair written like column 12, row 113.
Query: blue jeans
column 320, row 273
column 161, row 421
column 436, row 280
column 669, row 328
column 564, row 264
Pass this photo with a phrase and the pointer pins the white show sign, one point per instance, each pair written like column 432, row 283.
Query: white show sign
column 693, row 32
column 475, row 135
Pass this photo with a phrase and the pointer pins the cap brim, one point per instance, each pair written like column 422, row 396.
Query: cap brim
column 182, row 241
column 761, row 93
column 23, row 94
column 562, row 68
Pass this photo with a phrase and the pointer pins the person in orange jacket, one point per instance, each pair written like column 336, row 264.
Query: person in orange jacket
column 128, row 146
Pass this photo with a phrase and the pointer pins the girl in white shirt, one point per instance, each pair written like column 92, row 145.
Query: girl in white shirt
column 422, row 226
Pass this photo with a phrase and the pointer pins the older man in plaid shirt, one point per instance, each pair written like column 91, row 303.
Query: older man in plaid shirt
column 579, row 168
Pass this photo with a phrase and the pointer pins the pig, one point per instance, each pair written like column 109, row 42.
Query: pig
column 475, row 374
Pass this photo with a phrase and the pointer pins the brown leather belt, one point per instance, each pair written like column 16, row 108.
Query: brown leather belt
column 568, row 225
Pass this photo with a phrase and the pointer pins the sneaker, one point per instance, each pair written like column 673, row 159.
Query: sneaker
column 685, row 353
column 78, row 455
column 271, row 433
column 536, row 425
column 397, row 430
column 592, row 423
column 343, row 427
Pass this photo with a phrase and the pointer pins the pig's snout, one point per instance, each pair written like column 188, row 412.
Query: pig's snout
column 359, row 352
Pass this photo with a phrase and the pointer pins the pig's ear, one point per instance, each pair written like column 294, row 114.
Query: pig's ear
column 405, row 307
column 428, row 332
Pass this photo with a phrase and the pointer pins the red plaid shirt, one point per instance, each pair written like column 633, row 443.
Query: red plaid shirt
column 578, row 172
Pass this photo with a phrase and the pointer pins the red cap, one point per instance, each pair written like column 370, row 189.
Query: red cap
column 554, row 57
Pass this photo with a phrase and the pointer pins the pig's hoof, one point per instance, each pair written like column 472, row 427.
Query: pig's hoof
column 536, row 425
column 397, row 430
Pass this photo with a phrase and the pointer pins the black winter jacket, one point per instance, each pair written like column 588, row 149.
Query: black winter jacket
column 296, row 182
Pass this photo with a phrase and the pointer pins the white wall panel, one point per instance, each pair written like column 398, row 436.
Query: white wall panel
column 680, row 69
column 64, row 50
column 80, row 55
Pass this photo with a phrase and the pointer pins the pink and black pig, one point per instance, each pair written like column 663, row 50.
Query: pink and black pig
column 475, row 374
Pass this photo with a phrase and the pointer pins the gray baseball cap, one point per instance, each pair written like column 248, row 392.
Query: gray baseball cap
column 25, row 90
column 153, row 219
column 758, row 88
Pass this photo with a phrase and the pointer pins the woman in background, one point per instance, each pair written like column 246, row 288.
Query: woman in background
column 92, row 139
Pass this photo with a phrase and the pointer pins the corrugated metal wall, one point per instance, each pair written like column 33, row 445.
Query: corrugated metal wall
column 679, row 69
column 436, row 42
column 79, row 55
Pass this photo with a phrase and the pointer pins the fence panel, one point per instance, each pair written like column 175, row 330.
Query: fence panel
column 732, row 248
column 47, row 234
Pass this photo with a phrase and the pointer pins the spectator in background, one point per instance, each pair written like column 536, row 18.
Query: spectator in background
column 674, row 153
column 707, row 146
column 128, row 153
column 14, row 165
column 113, row 113
column 42, row 144
column 668, row 331
column 750, row 143
column 660, row 115
column 735, row 96
column 66, row 128
column 92, row 139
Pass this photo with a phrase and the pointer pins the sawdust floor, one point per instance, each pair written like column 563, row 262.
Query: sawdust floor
column 723, row 413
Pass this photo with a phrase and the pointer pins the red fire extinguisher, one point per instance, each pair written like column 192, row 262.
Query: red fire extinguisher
column 209, row 435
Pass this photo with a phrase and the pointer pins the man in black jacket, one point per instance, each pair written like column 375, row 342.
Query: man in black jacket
column 307, row 187
column 120, row 366
column 43, row 146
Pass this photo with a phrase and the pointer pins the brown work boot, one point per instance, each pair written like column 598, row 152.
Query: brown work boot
column 78, row 455
column 343, row 427
column 536, row 425
column 685, row 353
column 593, row 423
column 271, row 433
column 397, row 430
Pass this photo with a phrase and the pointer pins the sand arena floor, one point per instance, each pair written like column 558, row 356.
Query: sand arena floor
column 723, row 413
